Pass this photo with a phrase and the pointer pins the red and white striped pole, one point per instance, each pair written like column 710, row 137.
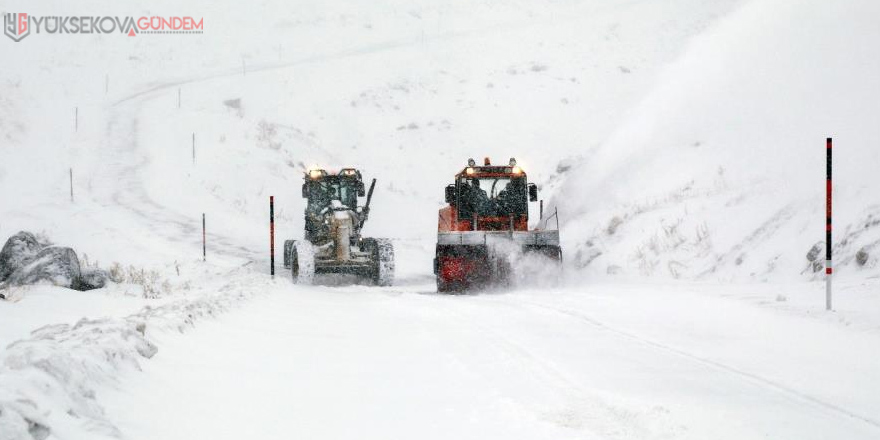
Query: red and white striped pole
column 829, row 269
column 272, row 235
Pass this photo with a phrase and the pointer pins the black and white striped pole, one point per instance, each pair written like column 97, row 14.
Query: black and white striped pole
column 829, row 269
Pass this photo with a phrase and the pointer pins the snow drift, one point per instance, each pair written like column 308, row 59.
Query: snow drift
column 49, row 382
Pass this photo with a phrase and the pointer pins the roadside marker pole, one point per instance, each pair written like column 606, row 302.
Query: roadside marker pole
column 829, row 269
column 71, row 185
column 272, row 236
column 194, row 148
column 204, row 250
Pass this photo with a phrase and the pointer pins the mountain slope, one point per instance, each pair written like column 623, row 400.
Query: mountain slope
column 719, row 173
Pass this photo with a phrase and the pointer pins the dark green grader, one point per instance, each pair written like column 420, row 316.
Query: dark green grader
column 333, row 222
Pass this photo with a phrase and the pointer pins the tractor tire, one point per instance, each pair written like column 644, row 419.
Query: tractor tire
column 444, row 287
column 302, row 262
column 383, row 259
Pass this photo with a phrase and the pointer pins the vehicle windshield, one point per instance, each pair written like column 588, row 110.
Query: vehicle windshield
column 492, row 196
column 321, row 192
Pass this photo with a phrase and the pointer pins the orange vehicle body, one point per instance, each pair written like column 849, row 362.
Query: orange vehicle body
column 448, row 221
column 477, row 218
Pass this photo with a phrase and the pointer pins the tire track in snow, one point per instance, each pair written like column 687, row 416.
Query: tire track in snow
column 584, row 411
column 745, row 375
column 129, row 193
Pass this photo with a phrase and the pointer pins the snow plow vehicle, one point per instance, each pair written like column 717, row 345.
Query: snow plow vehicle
column 485, row 228
column 333, row 222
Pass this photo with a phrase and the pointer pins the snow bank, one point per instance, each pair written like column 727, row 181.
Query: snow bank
column 719, row 172
column 49, row 382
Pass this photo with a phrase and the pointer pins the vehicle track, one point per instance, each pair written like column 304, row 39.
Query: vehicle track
column 745, row 375
column 130, row 194
column 585, row 411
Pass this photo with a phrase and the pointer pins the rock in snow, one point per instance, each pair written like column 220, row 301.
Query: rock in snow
column 24, row 260
column 93, row 279
column 17, row 252
column 57, row 265
column 862, row 256
column 815, row 252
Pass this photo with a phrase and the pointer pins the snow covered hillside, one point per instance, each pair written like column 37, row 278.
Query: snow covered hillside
column 719, row 172
column 682, row 142
column 434, row 85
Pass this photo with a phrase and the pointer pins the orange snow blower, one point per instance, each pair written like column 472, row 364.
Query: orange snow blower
column 485, row 225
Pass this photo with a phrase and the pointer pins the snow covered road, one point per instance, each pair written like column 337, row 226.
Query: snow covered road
column 403, row 362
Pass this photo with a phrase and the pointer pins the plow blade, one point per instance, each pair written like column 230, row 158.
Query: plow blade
column 477, row 259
